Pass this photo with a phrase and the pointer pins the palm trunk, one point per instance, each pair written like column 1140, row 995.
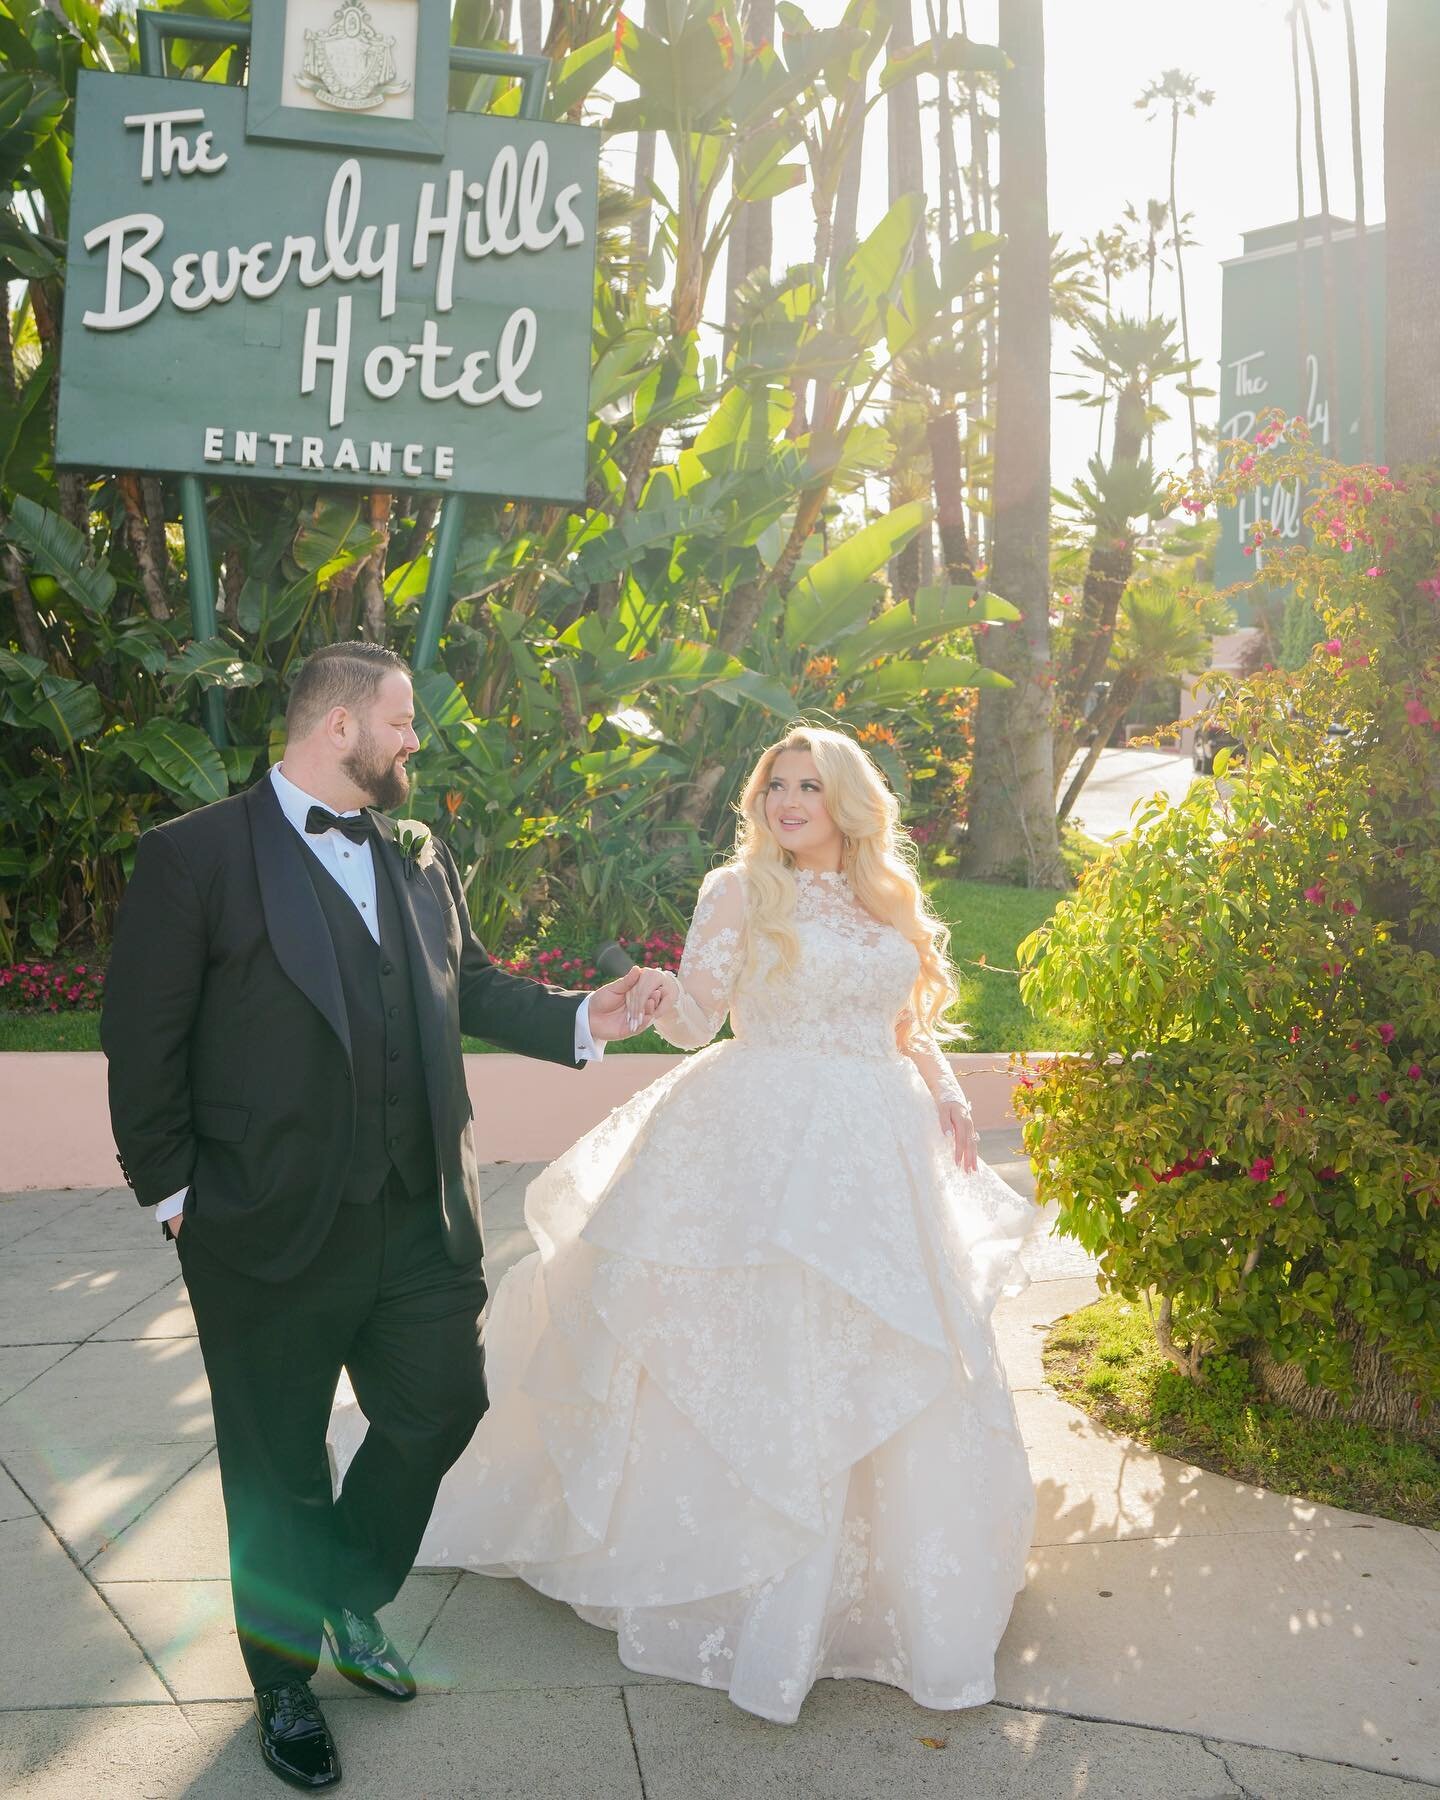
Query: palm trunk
column 1107, row 717
column 947, row 468
column 1012, row 819
column 1301, row 292
column 1330, row 384
column 906, row 176
column 1180, row 285
column 1362, row 253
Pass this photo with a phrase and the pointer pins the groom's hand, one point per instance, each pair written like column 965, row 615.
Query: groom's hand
column 623, row 1007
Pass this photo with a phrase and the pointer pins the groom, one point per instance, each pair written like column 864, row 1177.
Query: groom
column 288, row 984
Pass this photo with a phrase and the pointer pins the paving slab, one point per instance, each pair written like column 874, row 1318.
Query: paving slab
column 61, row 1295
column 1327, row 1644
column 95, row 1219
column 857, row 1741
column 1272, row 1775
column 1093, row 1484
column 97, row 1438
column 188, row 1630
column 13, row 1504
column 1047, row 1257
column 76, row 1652
column 21, row 1363
column 536, row 1746
column 180, row 1538
column 1022, row 1320
column 494, row 1635
column 163, row 1315
column 22, row 1214
column 111, row 1752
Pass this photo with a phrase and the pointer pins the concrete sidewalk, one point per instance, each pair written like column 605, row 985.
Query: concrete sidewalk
column 1181, row 1635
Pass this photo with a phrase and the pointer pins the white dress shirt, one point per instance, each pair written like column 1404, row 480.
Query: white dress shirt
column 353, row 867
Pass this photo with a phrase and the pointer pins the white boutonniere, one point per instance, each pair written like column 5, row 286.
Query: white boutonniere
column 416, row 844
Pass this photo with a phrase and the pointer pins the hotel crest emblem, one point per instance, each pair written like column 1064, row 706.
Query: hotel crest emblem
column 350, row 65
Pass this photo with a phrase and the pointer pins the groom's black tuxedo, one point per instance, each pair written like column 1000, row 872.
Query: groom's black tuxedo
column 232, row 1063
column 304, row 1082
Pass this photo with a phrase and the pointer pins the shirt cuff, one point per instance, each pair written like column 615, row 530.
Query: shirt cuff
column 586, row 1048
column 171, row 1207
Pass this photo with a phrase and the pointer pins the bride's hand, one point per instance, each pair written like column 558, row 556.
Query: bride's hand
column 959, row 1127
column 623, row 1007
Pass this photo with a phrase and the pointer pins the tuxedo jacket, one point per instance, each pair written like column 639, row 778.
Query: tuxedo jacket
column 229, row 1049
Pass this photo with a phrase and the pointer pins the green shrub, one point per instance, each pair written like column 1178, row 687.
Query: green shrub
column 1253, row 1130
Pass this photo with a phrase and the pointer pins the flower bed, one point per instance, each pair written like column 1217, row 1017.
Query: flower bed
column 52, row 986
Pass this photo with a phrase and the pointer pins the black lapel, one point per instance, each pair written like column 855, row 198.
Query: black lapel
column 422, row 918
column 298, row 933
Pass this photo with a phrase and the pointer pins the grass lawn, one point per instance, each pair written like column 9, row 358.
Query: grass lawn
column 987, row 922
column 1104, row 1359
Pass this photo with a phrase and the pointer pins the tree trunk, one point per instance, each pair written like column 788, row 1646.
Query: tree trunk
column 906, row 175
column 1412, row 242
column 1381, row 1398
column 1330, row 380
column 1012, row 815
column 947, row 468
column 1107, row 717
column 531, row 27
column 1180, row 288
column 751, row 243
column 1362, row 254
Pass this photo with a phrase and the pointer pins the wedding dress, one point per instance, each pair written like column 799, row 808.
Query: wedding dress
column 746, row 1408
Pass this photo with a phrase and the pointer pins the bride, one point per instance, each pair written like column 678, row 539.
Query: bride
column 746, row 1409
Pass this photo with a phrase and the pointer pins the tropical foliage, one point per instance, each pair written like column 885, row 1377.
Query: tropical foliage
column 608, row 669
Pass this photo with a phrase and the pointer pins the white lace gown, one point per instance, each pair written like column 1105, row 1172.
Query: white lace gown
column 746, row 1408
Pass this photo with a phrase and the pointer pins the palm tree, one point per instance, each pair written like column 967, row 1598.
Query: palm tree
column 1362, row 252
column 1012, row 815
column 752, row 238
column 1165, row 632
column 1111, row 255
column 1330, row 385
column 1130, row 356
column 1177, row 93
column 906, row 174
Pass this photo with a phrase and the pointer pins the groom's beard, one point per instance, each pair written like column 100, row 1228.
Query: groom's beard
column 386, row 785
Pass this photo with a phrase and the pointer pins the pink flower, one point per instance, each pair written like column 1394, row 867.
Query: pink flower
column 1373, row 573
column 1261, row 1168
column 1414, row 1071
column 1247, row 550
column 1383, row 1096
column 1387, row 1033
column 1278, row 1198
column 1326, row 1174
column 1334, row 646
column 1316, row 895
column 1382, row 469
column 1246, row 464
column 1349, row 908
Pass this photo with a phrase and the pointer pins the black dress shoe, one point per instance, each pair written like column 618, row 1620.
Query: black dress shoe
column 295, row 1741
column 363, row 1654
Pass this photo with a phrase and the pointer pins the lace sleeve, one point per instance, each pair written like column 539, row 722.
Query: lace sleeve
column 934, row 1066
column 699, row 997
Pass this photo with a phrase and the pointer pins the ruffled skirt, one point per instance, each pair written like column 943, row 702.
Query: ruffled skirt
column 746, row 1408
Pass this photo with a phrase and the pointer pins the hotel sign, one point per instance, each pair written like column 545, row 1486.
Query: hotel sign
column 326, row 277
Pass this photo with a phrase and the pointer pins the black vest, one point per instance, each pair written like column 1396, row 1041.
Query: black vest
column 392, row 1111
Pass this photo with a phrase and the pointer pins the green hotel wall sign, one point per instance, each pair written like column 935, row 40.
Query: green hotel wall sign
column 327, row 277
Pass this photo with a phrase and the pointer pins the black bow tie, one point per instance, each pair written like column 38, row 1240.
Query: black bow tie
column 357, row 829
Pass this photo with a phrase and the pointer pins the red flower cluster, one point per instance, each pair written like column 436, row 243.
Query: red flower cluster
column 565, row 966
column 51, row 987
column 1197, row 1159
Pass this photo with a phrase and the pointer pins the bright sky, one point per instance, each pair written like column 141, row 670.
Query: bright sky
column 1237, row 159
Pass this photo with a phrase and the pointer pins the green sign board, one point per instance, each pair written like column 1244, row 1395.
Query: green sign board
column 341, row 296
column 1263, row 364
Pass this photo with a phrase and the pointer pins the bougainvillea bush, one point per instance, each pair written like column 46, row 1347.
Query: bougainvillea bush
column 1252, row 1140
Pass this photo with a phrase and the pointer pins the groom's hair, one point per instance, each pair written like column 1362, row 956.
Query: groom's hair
column 337, row 675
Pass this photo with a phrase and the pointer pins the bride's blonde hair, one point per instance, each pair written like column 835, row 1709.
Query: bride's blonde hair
column 878, row 858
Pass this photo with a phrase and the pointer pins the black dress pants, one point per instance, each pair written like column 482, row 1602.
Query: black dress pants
column 383, row 1301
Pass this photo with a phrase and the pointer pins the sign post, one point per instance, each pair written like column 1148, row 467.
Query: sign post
column 327, row 277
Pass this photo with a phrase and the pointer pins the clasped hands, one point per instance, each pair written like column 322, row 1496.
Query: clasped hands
column 623, row 1007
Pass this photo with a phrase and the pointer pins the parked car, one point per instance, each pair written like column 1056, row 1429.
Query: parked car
column 1210, row 740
